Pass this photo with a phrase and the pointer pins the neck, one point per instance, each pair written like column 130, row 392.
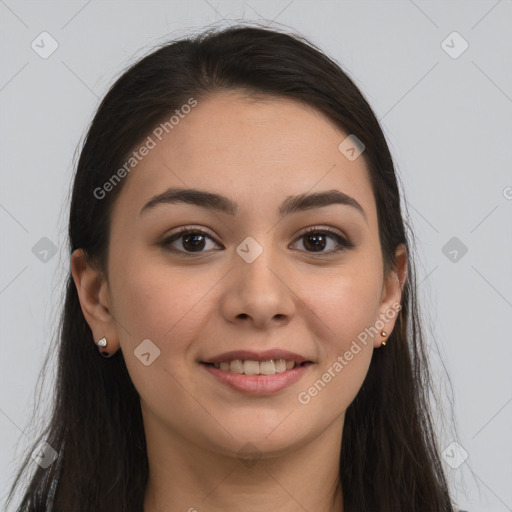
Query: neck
column 188, row 475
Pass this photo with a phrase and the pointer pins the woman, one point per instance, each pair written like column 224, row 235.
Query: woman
column 239, row 258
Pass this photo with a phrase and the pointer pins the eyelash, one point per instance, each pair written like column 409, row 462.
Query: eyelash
column 344, row 244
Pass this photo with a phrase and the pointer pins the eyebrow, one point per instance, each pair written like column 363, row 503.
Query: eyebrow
column 213, row 201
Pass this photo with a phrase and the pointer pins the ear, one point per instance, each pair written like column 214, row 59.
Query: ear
column 392, row 295
column 93, row 293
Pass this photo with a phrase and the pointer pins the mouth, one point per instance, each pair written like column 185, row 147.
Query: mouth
column 253, row 377
column 258, row 372
column 255, row 367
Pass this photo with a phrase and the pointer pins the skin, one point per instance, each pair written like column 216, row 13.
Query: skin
column 194, row 306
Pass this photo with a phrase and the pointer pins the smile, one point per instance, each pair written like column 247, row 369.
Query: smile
column 251, row 367
column 258, row 377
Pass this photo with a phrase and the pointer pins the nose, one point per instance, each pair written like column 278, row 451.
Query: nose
column 259, row 293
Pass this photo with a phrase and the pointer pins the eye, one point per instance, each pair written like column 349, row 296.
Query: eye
column 316, row 239
column 192, row 240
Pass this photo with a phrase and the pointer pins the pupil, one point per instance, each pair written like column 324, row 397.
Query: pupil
column 316, row 245
column 194, row 245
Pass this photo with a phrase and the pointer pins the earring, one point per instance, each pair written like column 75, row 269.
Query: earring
column 103, row 343
column 384, row 334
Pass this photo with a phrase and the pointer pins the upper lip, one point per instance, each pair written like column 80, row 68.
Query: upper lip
column 266, row 355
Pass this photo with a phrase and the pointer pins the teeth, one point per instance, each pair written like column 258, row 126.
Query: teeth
column 236, row 366
column 249, row 367
column 267, row 367
column 280, row 365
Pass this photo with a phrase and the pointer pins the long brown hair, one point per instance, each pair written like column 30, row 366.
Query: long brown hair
column 389, row 459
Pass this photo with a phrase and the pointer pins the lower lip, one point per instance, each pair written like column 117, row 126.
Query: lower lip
column 258, row 384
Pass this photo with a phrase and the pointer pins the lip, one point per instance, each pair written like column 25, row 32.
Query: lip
column 266, row 355
column 258, row 384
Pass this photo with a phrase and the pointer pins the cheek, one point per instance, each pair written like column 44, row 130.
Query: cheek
column 344, row 310
column 159, row 303
column 346, row 302
column 163, row 305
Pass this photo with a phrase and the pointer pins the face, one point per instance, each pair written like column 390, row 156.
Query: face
column 308, row 281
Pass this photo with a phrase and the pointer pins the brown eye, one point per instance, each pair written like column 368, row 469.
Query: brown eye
column 193, row 241
column 188, row 241
column 315, row 242
column 318, row 240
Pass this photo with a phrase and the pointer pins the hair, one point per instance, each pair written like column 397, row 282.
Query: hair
column 389, row 459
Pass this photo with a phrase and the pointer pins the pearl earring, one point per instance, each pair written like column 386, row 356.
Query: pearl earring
column 103, row 343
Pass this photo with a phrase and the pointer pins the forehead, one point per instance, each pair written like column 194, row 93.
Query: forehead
column 256, row 150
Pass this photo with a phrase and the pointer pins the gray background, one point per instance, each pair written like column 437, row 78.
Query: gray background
column 448, row 123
